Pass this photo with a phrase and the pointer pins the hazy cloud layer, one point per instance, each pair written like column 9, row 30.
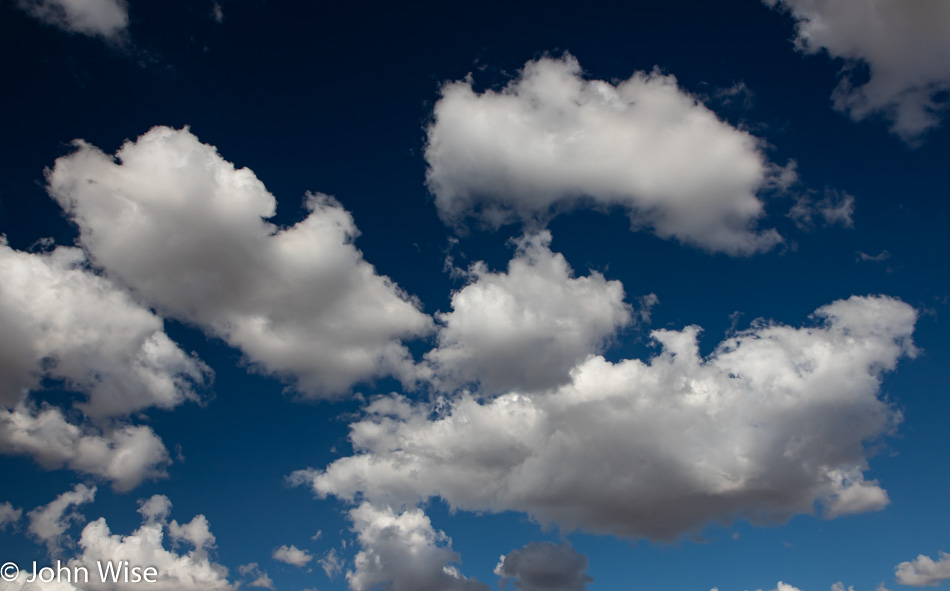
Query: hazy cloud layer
column 543, row 566
column 773, row 421
column 904, row 44
column 105, row 18
column 527, row 327
column 924, row 571
column 403, row 552
column 186, row 231
column 552, row 140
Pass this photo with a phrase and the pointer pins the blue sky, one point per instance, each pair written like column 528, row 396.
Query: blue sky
column 501, row 296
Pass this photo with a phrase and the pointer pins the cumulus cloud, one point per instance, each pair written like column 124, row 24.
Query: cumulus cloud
column 104, row 18
column 9, row 515
column 552, row 140
column 62, row 322
column 403, row 552
column 924, row 571
column 186, row 231
column 48, row 523
column 772, row 422
column 543, row 566
column 527, row 327
column 292, row 555
column 904, row 45
column 125, row 455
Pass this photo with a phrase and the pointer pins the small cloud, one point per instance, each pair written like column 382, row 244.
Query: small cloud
column 292, row 555
column 878, row 258
column 647, row 303
column 923, row 571
column 217, row 13
column 331, row 563
column 836, row 208
column 108, row 19
column 258, row 577
column 9, row 515
column 317, row 535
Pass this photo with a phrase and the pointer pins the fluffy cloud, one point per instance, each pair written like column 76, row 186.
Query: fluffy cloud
column 105, row 18
column 924, row 571
column 184, row 229
column 904, row 45
column 773, row 421
column 48, row 523
column 528, row 327
column 125, row 455
column 403, row 552
column 61, row 321
column 292, row 555
column 9, row 515
column 543, row 566
column 552, row 140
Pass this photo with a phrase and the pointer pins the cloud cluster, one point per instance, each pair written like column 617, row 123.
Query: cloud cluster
column 904, row 45
column 924, row 571
column 403, row 552
column 552, row 140
column 182, row 228
column 773, row 421
column 103, row 18
column 527, row 327
column 543, row 566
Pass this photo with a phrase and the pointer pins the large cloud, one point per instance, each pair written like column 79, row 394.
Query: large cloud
column 63, row 322
column 551, row 139
column 528, row 327
column 123, row 454
column 403, row 552
column 775, row 419
column 105, row 18
column 904, row 44
column 543, row 566
column 924, row 571
column 171, row 219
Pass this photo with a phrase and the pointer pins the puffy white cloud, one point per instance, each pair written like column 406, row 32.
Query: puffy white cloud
column 105, row 18
column 63, row 322
column 172, row 220
column 9, row 515
column 543, row 566
column 189, row 571
column 48, row 523
column 552, row 140
column 904, row 45
column 258, row 577
column 924, row 571
column 527, row 327
column 403, row 552
column 292, row 555
column 125, row 455
column 773, row 421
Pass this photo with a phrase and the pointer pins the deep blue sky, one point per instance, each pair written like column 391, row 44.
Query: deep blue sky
column 336, row 98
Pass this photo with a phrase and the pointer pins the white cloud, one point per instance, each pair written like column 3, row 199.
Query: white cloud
column 904, row 45
column 125, row 455
column 403, row 552
column 527, row 327
column 9, row 515
column 186, row 231
column 924, row 571
column 773, row 421
column 105, row 18
column 189, row 571
column 48, row 523
column 552, row 140
column 63, row 322
column 292, row 555
column 543, row 566
column 258, row 577
column 331, row 563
